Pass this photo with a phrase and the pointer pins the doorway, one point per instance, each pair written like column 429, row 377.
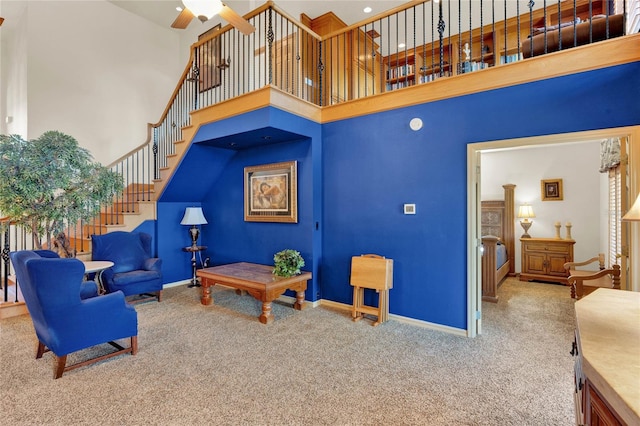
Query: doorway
column 474, row 173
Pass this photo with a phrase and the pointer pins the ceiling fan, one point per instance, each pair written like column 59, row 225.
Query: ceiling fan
column 207, row 9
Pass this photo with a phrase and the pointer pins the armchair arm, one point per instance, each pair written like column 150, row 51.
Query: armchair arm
column 599, row 279
column 107, row 275
column 91, row 322
column 88, row 289
column 594, row 276
column 153, row 264
column 95, row 312
column 572, row 265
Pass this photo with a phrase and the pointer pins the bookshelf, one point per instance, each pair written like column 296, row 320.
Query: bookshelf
column 491, row 45
column 401, row 69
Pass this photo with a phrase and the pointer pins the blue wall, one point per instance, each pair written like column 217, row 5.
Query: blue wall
column 356, row 174
column 212, row 177
column 375, row 164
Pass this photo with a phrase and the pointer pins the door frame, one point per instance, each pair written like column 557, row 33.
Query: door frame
column 474, row 255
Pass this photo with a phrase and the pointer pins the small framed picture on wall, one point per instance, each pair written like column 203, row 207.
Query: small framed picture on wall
column 551, row 189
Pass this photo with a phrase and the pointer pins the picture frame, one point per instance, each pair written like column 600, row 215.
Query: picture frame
column 551, row 189
column 210, row 62
column 271, row 193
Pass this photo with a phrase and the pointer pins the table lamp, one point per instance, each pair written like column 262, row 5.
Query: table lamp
column 193, row 216
column 525, row 212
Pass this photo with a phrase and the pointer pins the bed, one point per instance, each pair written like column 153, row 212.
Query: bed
column 498, row 242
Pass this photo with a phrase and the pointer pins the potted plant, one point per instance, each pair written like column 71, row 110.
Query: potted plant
column 51, row 182
column 287, row 263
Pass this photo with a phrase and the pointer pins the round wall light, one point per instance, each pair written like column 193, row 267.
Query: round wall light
column 415, row 124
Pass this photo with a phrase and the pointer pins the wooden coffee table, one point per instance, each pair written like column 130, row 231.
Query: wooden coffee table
column 257, row 280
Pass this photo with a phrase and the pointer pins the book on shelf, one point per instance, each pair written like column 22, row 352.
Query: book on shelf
column 507, row 59
column 470, row 66
column 400, row 71
column 429, row 77
column 400, row 84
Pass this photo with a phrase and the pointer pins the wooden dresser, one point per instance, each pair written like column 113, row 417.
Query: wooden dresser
column 543, row 259
column 607, row 358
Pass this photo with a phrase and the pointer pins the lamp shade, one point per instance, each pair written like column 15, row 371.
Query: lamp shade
column 193, row 216
column 525, row 211
column 634, row 212
column 205, row 8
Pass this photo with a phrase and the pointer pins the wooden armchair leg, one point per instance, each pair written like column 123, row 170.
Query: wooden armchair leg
column 134, row 345
column 61, row 362
column 40, row 350
column 159, row 295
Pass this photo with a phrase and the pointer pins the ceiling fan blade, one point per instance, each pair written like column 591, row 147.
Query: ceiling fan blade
column 183, row 19
column 236, row 20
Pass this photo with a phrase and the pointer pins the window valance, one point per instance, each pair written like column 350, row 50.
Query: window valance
column 609, row 154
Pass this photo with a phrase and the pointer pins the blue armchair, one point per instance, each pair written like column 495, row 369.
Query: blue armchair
column 135, row 271
column 63, row 321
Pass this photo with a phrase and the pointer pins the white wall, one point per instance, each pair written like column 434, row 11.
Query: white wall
column 94, row 71
column 577, row 165
column 13, row 71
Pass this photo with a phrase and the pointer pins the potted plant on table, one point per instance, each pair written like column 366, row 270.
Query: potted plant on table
column 287, row 263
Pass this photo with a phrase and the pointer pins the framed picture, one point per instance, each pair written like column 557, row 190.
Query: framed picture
column 210, row 62
column 551, row 189
column 271, row 193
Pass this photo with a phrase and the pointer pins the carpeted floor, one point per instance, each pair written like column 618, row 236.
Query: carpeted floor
column 218, row 365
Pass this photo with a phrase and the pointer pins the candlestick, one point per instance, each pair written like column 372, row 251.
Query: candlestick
column 557, row 225
column 568, row 225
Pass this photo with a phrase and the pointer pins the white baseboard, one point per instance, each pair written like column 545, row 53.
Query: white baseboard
column 345, row 307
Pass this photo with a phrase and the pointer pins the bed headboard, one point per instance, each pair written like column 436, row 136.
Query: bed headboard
column 492, row 219
column 498, row 218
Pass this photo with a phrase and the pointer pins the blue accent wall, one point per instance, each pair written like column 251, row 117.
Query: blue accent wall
column 355, row 175
column 211, row 175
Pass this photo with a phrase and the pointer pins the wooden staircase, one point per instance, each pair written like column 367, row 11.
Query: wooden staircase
column 135, row 205
column 11, row 308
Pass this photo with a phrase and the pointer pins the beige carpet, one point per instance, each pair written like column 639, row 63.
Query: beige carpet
column 218, row 365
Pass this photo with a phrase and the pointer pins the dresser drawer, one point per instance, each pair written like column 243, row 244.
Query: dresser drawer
column 553, row 248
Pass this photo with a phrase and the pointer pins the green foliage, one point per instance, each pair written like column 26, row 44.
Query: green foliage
column 287, row 263
column 50, row 181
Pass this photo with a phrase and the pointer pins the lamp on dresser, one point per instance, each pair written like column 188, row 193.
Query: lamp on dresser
column 525, row 212
column 193, row 216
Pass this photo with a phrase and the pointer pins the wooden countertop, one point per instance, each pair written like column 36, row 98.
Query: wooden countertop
column 608, row 323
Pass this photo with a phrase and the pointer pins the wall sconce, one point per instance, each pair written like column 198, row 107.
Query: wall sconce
column 525, row 212
column 634, row 212
column 193, row 216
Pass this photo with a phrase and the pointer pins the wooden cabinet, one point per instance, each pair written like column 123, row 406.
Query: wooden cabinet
column 598, row 411
column 352, row 70
column 543, row 259
column 607, row 365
